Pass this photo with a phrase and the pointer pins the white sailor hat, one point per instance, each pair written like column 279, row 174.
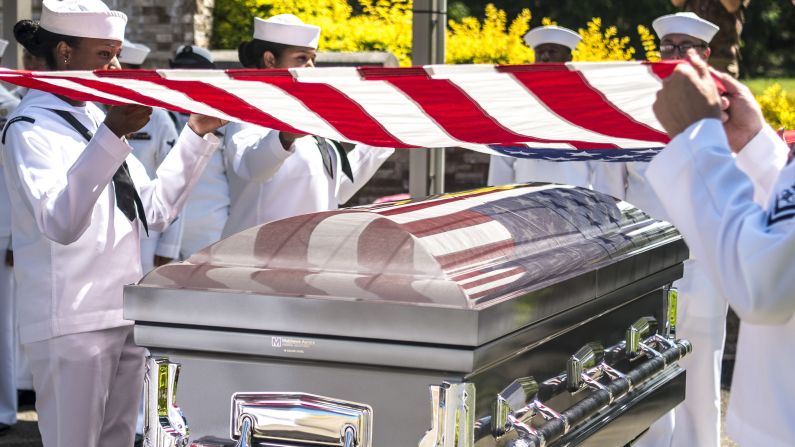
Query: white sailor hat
column 552, row 34
column 133, row 53
column 82, row 18
column 685, row 23
column 286, row 29
column 3, row 46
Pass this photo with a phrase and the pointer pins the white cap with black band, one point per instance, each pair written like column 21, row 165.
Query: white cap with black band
column 82, row 18
column 287, row 29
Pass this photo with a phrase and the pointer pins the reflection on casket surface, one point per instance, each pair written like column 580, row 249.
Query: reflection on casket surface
column 374, row 304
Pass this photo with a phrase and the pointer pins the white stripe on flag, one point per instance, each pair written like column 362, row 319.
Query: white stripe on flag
column 399, row 115
column 611, row 79
column 72, row 85
column 466, row 238
column 263, row 96
column 501, row 96
column 166, row 95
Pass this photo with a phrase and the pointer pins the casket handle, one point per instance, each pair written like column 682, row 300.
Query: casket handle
column 587, row 357
column 292, row 419
column 640, row 329
column 164, row 423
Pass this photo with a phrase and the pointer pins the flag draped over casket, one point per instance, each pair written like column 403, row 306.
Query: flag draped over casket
column 575, row 111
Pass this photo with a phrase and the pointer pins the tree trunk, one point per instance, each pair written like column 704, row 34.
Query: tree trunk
column 726, row 44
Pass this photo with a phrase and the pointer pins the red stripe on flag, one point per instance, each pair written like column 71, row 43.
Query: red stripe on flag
column 663, row 69
column 344, row 114
column 226, row 102
column 36, row 84
column 493, row 278
column 454, row 263
column 478, row 272
column 666, row 68
column 125, row 92
column 463, row 118
column 568, row 94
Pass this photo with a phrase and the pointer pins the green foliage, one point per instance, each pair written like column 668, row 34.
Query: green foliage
column 232, row 21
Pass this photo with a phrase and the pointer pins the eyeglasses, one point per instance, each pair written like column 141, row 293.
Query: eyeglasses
column 681, row 49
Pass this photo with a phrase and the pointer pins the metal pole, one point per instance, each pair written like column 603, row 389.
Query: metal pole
column 426, row 166
column 14, row 11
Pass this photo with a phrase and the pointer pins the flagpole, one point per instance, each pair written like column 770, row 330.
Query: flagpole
column 426, row 166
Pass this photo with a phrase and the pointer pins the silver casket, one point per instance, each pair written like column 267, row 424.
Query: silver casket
column 531, row 315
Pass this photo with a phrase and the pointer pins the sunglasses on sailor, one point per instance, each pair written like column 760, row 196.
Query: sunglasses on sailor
column 669, row 49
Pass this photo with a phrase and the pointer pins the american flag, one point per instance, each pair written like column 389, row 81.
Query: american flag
column 558, row 112
column 461, row 249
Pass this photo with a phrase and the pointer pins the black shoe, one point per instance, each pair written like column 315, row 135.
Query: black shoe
column 26, row 398
column 4, row 428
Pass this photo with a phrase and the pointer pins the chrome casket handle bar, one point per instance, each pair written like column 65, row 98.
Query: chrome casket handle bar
column 639, row 330
column 300, row 419
column 452, row 416
column 587, row 357
column 554, row 428
column 164, row 423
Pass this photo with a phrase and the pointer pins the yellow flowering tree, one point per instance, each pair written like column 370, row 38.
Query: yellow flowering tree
column 476, row 42
column 599, row 45
column 778, row 107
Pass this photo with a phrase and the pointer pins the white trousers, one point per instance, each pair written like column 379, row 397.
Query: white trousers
column 87, row 387
column 8, row 344
column 701, row 320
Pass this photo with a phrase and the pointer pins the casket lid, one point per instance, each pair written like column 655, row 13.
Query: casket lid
column 467, row 251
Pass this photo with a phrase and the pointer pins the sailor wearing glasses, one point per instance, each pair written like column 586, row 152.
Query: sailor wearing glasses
column 701, row 311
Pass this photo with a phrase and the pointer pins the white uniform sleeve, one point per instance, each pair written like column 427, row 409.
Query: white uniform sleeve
column 610, row 178
column 762, row 160
column 501, row 170
column 747, row 250
column 5, row 216
column 255, row 156
column 164, row 196
column 365, row 161
column 170, row 242
column 62, row 198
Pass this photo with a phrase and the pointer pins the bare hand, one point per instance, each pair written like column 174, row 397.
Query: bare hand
column 288, row 138
column 125, row 119
column 745, row 118
column 688, row 95
column 161, row 260
column 203, row 124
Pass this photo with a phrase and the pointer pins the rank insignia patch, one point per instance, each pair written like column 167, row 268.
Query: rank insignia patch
column 784, row 206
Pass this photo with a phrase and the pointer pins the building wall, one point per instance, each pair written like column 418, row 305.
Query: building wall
column 161, row 25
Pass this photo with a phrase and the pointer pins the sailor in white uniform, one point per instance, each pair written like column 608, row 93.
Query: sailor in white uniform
column 740, row 222
column 550, row 44
column 150, row 146
column 8, row 339
column 701, row 313
column 207, row 209
column 80, row 201
column 273, row 174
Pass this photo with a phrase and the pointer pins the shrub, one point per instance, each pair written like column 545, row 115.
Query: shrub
column 778, row 107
